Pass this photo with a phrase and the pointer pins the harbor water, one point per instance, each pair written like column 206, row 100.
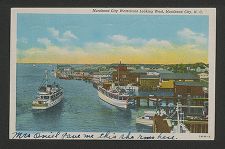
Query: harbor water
column 80, row 111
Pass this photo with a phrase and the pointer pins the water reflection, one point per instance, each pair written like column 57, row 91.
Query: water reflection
column 143, row 128
column 49, row 117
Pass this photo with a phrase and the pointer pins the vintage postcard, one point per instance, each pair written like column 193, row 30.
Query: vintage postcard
column 112, row 73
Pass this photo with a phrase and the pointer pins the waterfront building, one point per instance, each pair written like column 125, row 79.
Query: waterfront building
column 152, row 73
column 102, row 76
column 78, row 75
column 167, row 79
column 203, row 75
column 131, row 68
column 193, row 89
column 149, row 82
column 198, row 69
column 64, row 72
column 152, row 67
column 141, row 71
column 121, row 74
column 195, row 95
column 65, row 68
column 160, row 71
column 133, row 76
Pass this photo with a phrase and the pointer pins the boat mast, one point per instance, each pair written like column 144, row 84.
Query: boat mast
column 46, row 77
column 179, row 119
column 118, row 79
column 118, row 73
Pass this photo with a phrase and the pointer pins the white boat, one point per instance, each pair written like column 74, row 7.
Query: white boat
column 132, row 89
column 114, row 97
column 48, row 95
column 153, row 98
column 147, row 118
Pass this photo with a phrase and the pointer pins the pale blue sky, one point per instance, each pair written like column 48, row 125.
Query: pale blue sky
column 39, row 30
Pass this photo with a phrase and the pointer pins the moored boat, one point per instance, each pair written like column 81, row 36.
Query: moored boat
column 117, row 97
column 146, row 119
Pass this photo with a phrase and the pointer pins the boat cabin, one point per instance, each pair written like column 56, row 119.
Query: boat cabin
column 114, row 94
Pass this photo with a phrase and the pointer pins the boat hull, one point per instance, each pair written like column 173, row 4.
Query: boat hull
column 114, row 102
column 147, row 122
column 50, row 104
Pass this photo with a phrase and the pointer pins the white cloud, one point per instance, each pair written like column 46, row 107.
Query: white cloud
column 66, row 36
column 98, row 45
column 160, row 43
column 44, row 41
column 119, row 38
column 120, row 47
column 190, row 36
column 69, row 35
column 125, row 40
column 54, row 32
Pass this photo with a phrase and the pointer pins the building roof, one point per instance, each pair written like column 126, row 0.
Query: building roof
column 203, row 73
column 168, row 85
column 179, row 76
column 163, row 71
column 189, row 83
column 102, row 73
column 149, row 77
column 141, row 71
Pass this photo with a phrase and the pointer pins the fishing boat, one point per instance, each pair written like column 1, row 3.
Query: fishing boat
column 147, row 118
column 48, row 95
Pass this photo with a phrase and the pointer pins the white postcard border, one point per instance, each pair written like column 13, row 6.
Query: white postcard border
column 211, row 12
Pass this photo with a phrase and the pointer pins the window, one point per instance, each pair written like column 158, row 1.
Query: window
column 46, row 97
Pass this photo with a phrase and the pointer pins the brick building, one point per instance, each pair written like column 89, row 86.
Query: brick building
column 124, row 75
column 193, row 89
column 149, row 82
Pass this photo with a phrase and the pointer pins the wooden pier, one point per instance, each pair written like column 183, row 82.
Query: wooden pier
column 137, row 99
column 197, row 126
